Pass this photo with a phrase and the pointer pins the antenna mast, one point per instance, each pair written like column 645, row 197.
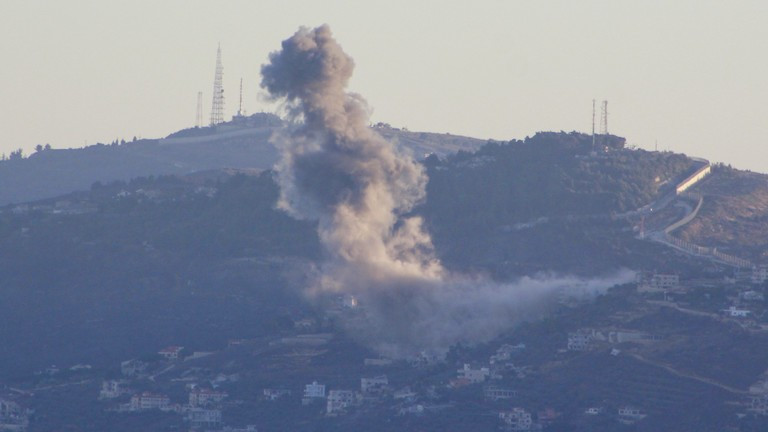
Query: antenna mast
column 199, row 116
column 593, row 125
column 240, row 112
column 604, row 118
column 217, row 108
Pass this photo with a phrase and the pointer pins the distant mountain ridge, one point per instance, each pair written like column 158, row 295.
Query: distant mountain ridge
column 241, row 143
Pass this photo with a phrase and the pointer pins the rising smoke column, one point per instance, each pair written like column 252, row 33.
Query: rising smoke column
column 358, row 186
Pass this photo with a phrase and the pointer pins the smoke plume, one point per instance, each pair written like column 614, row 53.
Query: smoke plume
column 360, row 187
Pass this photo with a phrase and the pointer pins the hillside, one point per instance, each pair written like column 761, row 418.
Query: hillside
column 206, row 262
column 242, row 143
column 734, row 214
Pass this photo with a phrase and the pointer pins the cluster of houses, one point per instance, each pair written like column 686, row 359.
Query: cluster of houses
column 338, row 401
column 201, row 410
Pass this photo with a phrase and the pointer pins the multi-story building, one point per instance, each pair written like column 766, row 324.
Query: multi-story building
column 148, row 401
column 205, row 396
column 516, row 420
column 339, row 401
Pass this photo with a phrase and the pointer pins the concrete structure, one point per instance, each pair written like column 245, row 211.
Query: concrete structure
column 694, row 178
column 474, row 376
column 376, row 385
column 582, row 339
column 204, row 397
column 516, row 420
column 658, row 282
column 275, row 394
column 313, row 392
column 111, row 389
column 171, row 353
column 629, row 414
column 496, row 393
column 339, row 401
column 201, row 417
column 149, row 401
column 404, row 393
column 736, row 313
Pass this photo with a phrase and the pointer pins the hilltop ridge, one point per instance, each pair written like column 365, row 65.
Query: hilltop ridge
column 243, row 142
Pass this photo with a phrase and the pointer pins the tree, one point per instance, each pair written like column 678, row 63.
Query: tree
column 17, row 154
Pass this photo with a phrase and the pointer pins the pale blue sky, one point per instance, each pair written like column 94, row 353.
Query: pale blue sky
column 690, row 74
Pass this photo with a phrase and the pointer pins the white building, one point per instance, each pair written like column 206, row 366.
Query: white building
column 313, row 392
column 497, row 393
column 662, row 282
column 111, row 389
column 404, row 393
column 204, row 396
column 581, row 340
column 171, row 353
column 630, row 414
column 339, row 401
column 376, row 385
column 148, row 401
column 275, row 394
column 517, row 420
column 736, row 313
column 474, row 376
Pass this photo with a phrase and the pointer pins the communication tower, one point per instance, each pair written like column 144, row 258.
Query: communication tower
column 217, row 107
column 240, row 112
column 199, row 116
column 604, row 118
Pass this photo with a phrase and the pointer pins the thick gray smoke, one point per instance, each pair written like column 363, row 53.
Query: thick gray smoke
column 359, row 186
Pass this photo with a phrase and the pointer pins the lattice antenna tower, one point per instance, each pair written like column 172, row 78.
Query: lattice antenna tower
column 217, row 107
column 199, row 116
column 240, row 112
column 604, row 118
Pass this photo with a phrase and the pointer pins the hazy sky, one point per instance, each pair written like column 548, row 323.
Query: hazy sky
column 692, row 75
